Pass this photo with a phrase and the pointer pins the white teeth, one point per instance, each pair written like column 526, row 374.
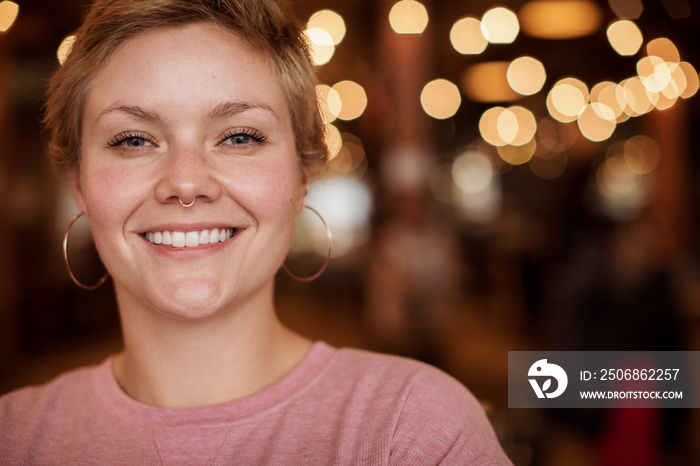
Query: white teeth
column 190, row 239
column 178, row 239
column 204, row 237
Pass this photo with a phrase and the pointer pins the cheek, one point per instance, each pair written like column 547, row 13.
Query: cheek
column 109, row 193
column 276, row 188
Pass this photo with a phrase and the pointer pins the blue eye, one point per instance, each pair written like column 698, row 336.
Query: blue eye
column 131, row 140
column 135, row 142
column 242, row 137
column 239, row 139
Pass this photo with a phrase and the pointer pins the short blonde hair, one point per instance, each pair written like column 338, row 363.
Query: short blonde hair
column 263, row 24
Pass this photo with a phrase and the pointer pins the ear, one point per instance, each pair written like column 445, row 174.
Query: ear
column 74, row 180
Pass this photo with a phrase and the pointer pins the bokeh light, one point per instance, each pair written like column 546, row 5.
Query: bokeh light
column 527, row 126
column 665, row 49
column 616, row 177
column 625, row 37
column 477, row 189
column 64, row 48
column 517, row 155
column 526, row 75
column 642, row 154
column 334, row 140
column 406, row 167
column 665, row 79
column 512, row 130
column 507, row 126
column 321, row 44
column 500, row 26
column 408, row 17
column 626, row 9
column 329, row 21
column 8, row 14
column 567, row 99
column 466, row 36
column 351, row 160
column 606, row 93
column 662, row 78
column 440, row 99
column 516, row 126
column 560, row 19
column 488, row 82
column 353, row 98
column 662, row 102
column 678, row 82
column 488, row 126
column 472, row 172
column 597, row 122
column 691, row 78
column 482, row 208
column 350, row 225
column 623, row 178
column 329, row 102
column 646, row 70
column 551, row 138
column 636, row 97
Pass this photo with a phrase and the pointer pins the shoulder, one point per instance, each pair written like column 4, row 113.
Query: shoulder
column 413, row 378
column 26, row 400
column 414, row 381
column 28, row 413
column 435, row 418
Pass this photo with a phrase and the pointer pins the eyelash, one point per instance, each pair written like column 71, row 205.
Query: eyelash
column 255, row 135
column 122, row 137
column 126, row 135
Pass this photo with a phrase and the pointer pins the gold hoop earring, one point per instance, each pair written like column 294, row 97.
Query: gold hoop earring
column 328, row 256
column 65, row 259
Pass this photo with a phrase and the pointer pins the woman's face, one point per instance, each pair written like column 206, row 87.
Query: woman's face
column 181, row 114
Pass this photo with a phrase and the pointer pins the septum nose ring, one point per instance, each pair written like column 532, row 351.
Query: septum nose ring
column 187, row 205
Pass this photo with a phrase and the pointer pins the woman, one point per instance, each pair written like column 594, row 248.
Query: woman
column 188, row 130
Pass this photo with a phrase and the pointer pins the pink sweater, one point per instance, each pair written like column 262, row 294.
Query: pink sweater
column 337, row 407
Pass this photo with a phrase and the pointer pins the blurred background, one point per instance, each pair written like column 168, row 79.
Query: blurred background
column 513, row 175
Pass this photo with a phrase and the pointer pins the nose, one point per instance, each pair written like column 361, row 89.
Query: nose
column 187, row 175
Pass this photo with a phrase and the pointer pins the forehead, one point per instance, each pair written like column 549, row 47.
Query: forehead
column 173, row 68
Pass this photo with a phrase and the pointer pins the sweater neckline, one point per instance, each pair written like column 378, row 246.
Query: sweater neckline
column 111, row 396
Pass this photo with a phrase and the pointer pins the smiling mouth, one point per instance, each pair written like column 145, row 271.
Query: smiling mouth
column 189, row 239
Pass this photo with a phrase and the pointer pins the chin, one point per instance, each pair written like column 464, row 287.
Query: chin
column 192, row 302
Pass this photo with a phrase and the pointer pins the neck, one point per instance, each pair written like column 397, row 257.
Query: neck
column 180, row 363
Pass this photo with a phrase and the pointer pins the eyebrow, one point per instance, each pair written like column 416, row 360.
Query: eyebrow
column 133, row 110
column 226, row 109
column 222, row 110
